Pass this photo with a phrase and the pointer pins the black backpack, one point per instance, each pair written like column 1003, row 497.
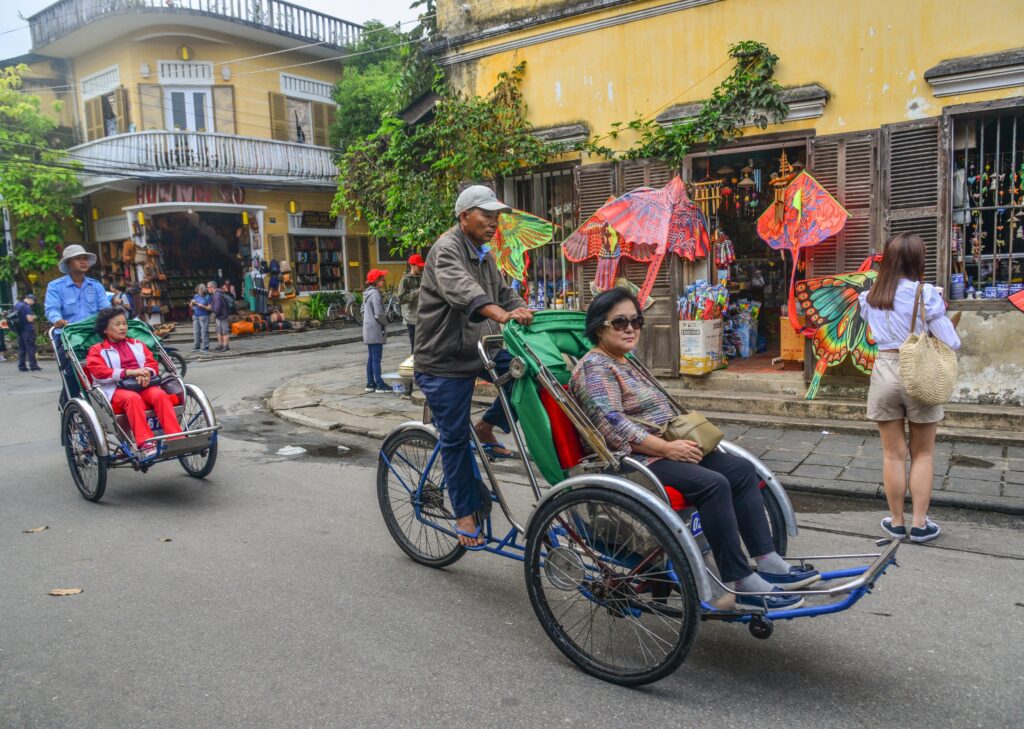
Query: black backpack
column 229, row 301
column 14, row 321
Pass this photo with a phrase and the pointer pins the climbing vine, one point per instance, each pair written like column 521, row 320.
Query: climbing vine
column 403, row 179
column 750, row 94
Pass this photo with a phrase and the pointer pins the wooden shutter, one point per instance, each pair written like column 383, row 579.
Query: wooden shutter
column 323, row 118
column 224, row 109
column 94, row 118
column 151, row 107
column 277, row 248
column 659, row 343
column 645, row 173
column 594, row 185
column 121, row 109
column 278, row 117
column 914, row 188
column 847, row 166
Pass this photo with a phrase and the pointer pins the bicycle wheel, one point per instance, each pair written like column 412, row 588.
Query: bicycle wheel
column 179, row 362
column 391, row 315
column 413, row 500
column 81, row 445
column 335, row 316
column 776, row 521
column 193, row 417
column 355, row 311
column 611, row 586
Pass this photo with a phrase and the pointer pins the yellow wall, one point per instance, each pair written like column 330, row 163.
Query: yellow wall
column 870, row 55
column 252, row 79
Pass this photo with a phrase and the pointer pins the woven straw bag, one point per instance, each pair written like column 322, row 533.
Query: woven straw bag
column 927, row 365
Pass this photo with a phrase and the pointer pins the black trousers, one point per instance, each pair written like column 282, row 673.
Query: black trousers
column 64, row 364
column 725, row 490
column 412, row 336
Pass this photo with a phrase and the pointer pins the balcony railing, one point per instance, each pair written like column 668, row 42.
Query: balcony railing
column 176, row 155
column 67, row 16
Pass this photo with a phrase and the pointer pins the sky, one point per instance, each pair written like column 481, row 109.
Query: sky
column 15, row 39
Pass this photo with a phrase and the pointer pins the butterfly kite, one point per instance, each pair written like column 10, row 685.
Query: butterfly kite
column 809, row 215
column 519, row 232
column 833, row 313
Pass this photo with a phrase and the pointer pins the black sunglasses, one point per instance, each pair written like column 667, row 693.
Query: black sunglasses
column 621, row 323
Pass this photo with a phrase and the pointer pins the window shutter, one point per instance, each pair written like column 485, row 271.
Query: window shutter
column 224, row 109
column 645, row 173
column 847, row 166
column 594, row 185
column 323, row 118
column 278, row 117
column 914, row 182
column 277, row 248
column 151, row 107
column 94, row 118
column 121, row 109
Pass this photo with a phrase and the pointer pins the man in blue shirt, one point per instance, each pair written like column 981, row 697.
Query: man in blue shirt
column 71, row 298
column 74, row 296
column 27, row 334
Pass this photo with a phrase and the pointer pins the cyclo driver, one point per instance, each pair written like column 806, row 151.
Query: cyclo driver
column 463, row 298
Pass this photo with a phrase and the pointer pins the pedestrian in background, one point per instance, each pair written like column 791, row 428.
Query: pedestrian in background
column 374, row 332
column 887, row 307
column 120, row 297
column 4, row 328
column 27, row 334
column 409, row 295
column 201, row 308
column 221, row 311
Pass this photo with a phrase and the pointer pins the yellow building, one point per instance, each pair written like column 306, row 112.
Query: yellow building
column 910, row 113
column 202, row 131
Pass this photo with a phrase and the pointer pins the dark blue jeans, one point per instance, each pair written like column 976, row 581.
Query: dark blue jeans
column 450, row 400
column 27, row 348
column 373, row 375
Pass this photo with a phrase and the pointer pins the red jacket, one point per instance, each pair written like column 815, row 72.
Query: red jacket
column 104, row 365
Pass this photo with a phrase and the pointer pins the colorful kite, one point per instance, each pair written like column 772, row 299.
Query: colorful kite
column 837, row 329
column 809, row 215
column 519, row 232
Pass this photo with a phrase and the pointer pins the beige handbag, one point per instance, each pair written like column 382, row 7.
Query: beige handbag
column 927, row 364
column 688, row 425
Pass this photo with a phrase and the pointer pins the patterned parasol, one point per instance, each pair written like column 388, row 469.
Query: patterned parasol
column 809, row 216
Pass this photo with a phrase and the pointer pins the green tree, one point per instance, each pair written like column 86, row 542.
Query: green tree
column 37, row 183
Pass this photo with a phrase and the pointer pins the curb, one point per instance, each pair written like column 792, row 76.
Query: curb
column 351, row 339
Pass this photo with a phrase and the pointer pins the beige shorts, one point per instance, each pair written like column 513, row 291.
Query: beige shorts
column 223, row 327
column 888, row 399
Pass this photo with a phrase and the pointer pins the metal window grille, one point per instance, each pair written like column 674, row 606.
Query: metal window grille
column 986, row 200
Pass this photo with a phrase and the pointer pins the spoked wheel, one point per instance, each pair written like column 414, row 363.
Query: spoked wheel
column 611, row 586
column 414, row 501
column 194, row 417
column 81, row 444
column 776, row 521
column 335, row 317
column 179, row 362
column 356, row 312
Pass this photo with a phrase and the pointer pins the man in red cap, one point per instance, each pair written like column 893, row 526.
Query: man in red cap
column 374, row 332
column 409, row 295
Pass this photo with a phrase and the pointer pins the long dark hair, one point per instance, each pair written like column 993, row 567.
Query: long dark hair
column 903, row 257
column 597, row 312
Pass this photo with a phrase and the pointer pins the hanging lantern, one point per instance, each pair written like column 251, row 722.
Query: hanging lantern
column 245, row 218
column 140, row 217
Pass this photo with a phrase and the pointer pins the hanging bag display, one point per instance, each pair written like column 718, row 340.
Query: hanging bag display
column 927, row 364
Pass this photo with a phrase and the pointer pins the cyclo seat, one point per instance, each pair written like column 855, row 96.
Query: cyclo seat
column 556, row 338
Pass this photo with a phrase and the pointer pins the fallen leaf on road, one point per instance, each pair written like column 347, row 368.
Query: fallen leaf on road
column 33, row 530
column 65, row 591
column 164, row 539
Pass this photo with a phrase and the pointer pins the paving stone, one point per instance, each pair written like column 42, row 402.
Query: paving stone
column 979, row 450
column 1014, row 477
column 778, row 467
column 732, row 432
column 938, row 483
column 1015, row 452
column 1015, row 490
column 1015, row 464
column 968, row 474
column 843, row 449
column 827, row 459
column 768, row 434
column 871, row 462
column 865, row 475
column 819, row 472
column 844, row 438
column 977, row 488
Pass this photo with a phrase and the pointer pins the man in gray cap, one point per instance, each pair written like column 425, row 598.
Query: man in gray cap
column 73, row 297
column 463, row 298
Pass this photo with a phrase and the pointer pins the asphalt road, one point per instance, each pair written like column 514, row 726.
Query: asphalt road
column 281, row 601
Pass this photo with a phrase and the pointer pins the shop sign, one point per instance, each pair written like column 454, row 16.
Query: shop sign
column 151, row 193
column 318, row 219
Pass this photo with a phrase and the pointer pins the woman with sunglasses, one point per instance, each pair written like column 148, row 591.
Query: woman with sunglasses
column 627, row 409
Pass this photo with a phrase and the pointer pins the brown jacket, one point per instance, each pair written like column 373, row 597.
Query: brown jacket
column 456, row 284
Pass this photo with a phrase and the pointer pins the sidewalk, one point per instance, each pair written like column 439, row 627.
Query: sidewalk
column 834, row 458
column 271, row 342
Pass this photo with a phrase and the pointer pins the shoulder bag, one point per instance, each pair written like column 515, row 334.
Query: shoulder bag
column 687, row 425
column 927, row 364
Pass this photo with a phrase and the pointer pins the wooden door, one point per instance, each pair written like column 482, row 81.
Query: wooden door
column 358, row 253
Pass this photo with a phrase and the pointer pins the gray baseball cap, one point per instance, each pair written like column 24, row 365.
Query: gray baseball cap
column 479, row 196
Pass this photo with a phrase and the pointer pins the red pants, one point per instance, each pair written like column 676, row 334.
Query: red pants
column 134, row 404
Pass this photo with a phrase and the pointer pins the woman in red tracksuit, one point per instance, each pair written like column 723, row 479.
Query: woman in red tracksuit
column 118, row 357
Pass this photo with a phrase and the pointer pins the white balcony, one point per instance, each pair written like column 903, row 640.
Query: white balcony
column 163, row 155
column 61, row 29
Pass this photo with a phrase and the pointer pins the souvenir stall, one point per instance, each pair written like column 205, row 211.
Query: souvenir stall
column 733, row 191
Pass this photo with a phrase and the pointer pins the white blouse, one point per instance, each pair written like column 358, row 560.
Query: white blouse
column 891, row 327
